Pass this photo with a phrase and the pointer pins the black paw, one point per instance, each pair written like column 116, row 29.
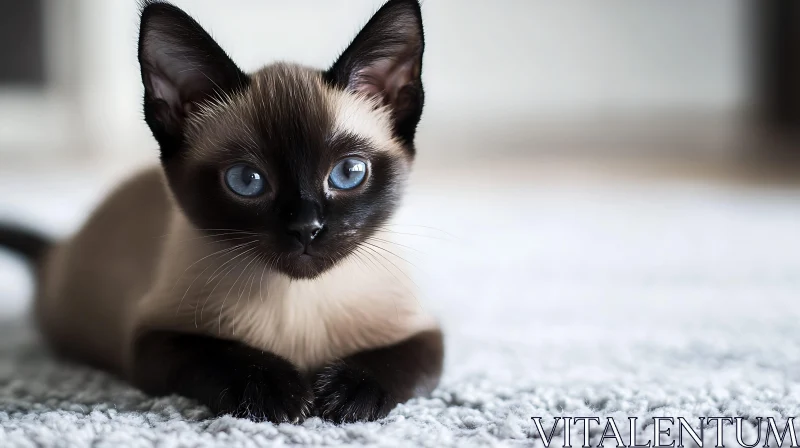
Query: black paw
column 273, row 393
column 346, row 393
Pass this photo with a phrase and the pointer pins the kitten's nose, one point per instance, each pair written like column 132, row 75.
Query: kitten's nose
column 305, row 232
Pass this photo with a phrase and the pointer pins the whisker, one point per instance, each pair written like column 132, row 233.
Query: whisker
column 355, row 255
column 213, row 276
column 364, row 253
column 241, row 291
column 383, row 230
column 220, row 232
column 393, row 264
column 221, row 252
column 261, row 282
column 419, row 226
column 390, row 252
column 215, row 235
column 225, row 251
column 225, row 273
column 179, row 247
column 393, row 242
column 229, row 270
column 404, row 274
column 394, row 302
column 221, row 307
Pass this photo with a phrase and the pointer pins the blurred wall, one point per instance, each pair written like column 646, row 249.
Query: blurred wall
column 487, row 63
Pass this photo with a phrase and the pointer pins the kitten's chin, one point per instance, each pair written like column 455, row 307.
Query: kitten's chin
column 302, row 266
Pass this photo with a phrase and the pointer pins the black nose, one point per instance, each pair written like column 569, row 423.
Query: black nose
column 305, row 232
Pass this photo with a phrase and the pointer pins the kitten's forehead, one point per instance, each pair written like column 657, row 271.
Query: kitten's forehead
column 289, row 104
column 298, row 89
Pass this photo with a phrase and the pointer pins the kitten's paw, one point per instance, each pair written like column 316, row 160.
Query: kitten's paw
column 346, row 393
column 271, row 393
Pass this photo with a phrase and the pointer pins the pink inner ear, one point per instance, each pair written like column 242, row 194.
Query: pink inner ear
column 384, row 78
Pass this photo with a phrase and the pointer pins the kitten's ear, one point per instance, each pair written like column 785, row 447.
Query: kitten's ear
column 181, row 67
column 385, row 60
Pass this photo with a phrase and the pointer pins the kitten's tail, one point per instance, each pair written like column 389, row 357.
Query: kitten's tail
column 30, row 244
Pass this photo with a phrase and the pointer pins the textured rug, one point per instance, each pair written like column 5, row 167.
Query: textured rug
column 577, row 300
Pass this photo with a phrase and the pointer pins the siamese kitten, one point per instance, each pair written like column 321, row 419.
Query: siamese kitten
column 231, row 273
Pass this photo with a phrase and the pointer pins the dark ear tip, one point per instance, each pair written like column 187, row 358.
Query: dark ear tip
column 147, row 6
column 412, row 6
column 408, row 3
column 411, row 10
column 156, row 8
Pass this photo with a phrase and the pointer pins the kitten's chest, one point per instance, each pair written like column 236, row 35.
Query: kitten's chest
column 314, row 322
column 352, row 307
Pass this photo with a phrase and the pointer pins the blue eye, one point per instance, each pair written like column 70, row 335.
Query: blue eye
column 245, row 180
column 348, row 174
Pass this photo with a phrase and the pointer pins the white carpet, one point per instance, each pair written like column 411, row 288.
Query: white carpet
column 557, row 300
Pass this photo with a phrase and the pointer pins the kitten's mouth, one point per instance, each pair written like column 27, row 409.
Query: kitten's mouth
column 304, row 264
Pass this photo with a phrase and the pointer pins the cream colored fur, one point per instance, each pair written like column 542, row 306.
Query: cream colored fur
column 139, row 265
column 364, row 302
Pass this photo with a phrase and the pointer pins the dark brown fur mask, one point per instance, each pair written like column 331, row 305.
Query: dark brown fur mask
column 311, row 161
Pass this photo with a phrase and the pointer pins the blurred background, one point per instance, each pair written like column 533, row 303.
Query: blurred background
column 564, row 123
column 605, row 204
column 679, row 80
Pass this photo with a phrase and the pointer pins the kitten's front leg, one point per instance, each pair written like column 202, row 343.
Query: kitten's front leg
column 369, row 384
column 227, row 376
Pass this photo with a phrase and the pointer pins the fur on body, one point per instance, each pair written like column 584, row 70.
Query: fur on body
column 272, row 306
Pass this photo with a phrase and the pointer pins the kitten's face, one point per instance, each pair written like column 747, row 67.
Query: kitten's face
column 309, row 169
column 308, row 163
